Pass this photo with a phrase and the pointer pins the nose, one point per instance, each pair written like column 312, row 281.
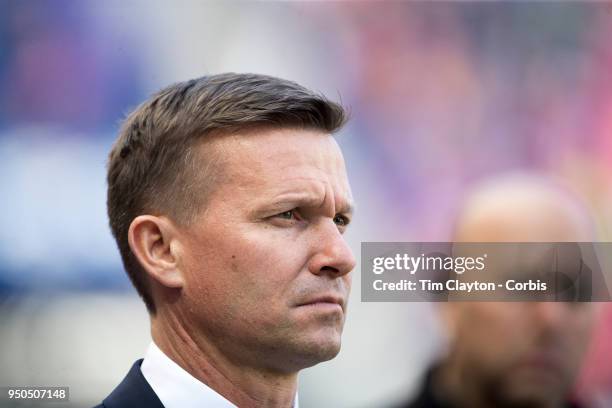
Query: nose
column 331, row 254
column 552, row 316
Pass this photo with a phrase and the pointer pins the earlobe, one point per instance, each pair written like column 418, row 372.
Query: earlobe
column 152, row 240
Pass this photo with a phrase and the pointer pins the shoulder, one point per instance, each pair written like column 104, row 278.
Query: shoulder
column 133, row 391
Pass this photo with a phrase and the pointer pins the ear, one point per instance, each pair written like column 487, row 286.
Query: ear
column 153, row 240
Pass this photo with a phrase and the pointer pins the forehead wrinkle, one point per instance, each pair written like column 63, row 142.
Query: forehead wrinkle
column 303, row 188
column 330, row 188
column 335, row 202
column 316, row 193
column 343, row 202
column 288, row 169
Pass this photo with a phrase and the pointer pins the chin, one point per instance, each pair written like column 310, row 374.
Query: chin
column 328, row 350
column 317, row 350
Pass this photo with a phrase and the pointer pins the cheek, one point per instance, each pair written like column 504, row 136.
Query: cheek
column 265, row 275
column 258, row 264
column 271, row 253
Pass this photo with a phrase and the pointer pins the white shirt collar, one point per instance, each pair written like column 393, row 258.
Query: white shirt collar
column 176, row 388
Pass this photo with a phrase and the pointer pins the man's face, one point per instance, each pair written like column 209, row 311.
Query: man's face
column 522, row 354
column 265, row 262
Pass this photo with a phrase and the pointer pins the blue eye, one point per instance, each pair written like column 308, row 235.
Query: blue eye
column 287, row 215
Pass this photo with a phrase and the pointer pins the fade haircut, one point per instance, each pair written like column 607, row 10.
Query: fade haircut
column 151, row 166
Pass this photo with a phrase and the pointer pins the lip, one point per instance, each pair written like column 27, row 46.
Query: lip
column 323, row 301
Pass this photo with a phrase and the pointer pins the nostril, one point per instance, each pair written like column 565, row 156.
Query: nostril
column 330, row 268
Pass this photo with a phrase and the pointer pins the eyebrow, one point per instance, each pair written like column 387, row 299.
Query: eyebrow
column 301, row 199
column 347, row 208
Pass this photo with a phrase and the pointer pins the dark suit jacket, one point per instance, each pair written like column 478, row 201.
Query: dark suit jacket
column 134, row 391
column 428, row 398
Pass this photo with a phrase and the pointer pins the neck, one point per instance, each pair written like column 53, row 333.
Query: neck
column 242, row 384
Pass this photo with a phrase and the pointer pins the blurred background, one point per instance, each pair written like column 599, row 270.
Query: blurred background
column 442, row 95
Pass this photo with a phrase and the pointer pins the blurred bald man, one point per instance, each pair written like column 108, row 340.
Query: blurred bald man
column 513, row 355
